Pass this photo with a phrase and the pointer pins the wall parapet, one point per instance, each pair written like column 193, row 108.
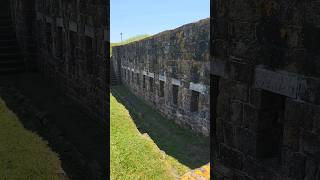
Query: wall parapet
column 170, row 71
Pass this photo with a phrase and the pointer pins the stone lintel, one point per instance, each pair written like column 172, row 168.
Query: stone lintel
column 89, row 31
column 201, row 88
column 49, row 20
column 162, row 78
column 279, row 82
column 175, row 82
column 39, row 16
column 144, row 73
column 151, row 74
column 73, row 26
column 59, row 22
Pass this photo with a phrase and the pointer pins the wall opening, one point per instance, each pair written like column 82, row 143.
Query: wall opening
column 132, row 77
column 129, row 77
column 144, row 81
column 175, row 92
column 49, row 36
column 161, row 94
column 59, row 43
column 151, row 84
column 270, row 126
column 194, row 101
column 138, row 79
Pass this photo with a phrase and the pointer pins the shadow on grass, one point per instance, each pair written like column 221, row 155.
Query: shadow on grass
column 189, row 149
column 43, row 122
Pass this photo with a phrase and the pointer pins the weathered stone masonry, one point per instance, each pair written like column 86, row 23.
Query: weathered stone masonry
column 265, row 79
column 69, row 41
column 170, row 71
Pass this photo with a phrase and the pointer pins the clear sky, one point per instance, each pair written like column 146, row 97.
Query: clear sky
column 135, row 17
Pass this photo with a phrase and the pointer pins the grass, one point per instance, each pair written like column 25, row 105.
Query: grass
column 132, row 39
column 23, row 154
column 133, row 155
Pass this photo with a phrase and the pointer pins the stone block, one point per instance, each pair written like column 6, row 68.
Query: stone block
column 230, row 157
column 246, row 141
column 310, row 142
column 229, row 133
column 311, row 169
column 236, row 112
column 234, row 90
column 218, row 67
column 240, row 71
column 250, row 117
column 309, row 90
column 257, row 170
column 291, row 137
column 295, row 163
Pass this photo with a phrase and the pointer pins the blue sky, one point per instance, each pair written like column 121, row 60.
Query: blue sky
column 135, row 17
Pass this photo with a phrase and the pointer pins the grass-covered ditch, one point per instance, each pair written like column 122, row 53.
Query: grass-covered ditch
column 145, row 145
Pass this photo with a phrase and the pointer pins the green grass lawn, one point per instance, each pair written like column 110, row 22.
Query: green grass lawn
column 134, row 156
column 23, row 154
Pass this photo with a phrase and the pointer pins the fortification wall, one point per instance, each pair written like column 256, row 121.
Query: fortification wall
column 170, row 71
column 265, row 88
column 71, row 39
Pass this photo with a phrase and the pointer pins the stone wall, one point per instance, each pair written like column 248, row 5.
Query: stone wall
column 265, row 88
column 72, row 44
column 175, row 60
column 23, row 16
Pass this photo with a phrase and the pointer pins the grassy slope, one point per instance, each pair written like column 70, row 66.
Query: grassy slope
column 190, row 149
column 23, row 154
column 134, row 156
column 135, row 38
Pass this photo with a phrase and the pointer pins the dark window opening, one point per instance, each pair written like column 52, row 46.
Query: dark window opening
column 132, row 77
column 144, row 81
column 129, row 76
column 270, row 126
column 161, row 89
column 194, row 106
column 89, row 53
column 151, row 84
column 59, row 43
column 175, row 91
column 138, row 79
column 49, row 37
